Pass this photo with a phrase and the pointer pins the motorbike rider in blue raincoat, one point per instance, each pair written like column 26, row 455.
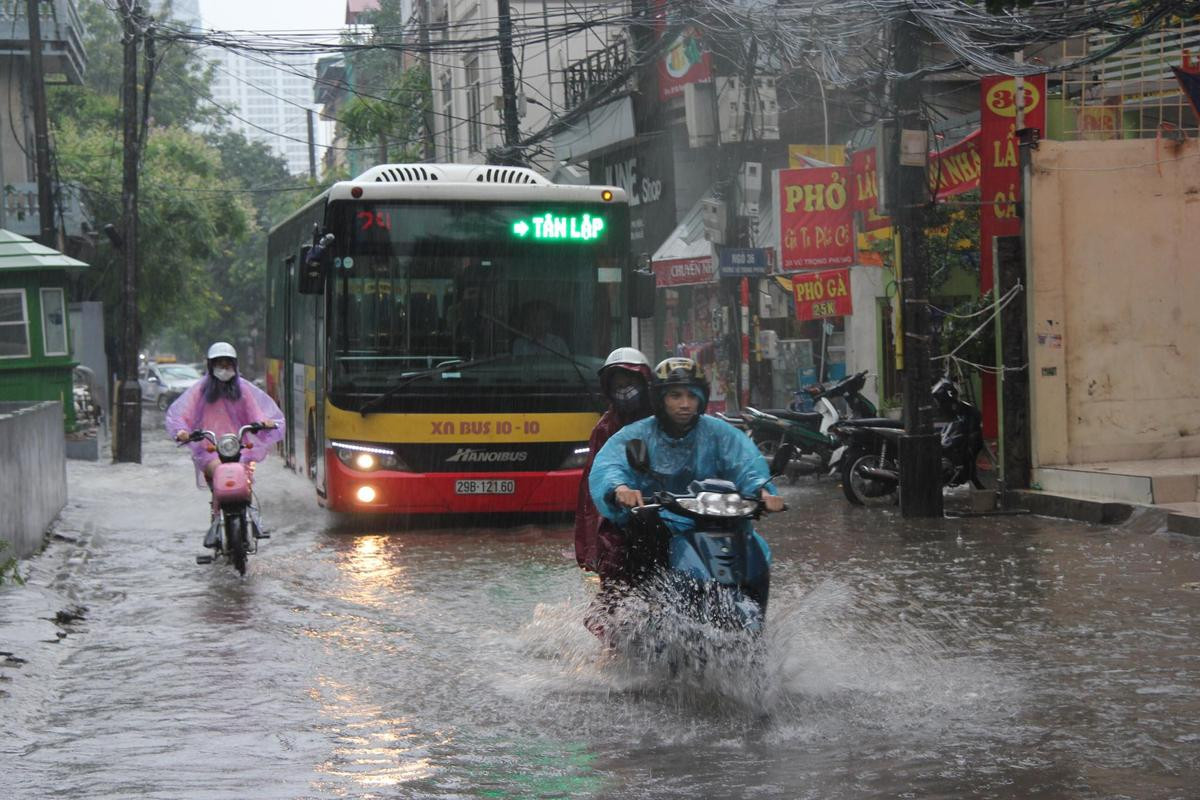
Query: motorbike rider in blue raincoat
column 684, row 445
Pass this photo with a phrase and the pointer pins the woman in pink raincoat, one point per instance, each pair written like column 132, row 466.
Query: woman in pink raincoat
column 222, row 402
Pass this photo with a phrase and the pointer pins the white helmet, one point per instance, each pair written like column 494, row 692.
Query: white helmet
column 626, row 355
column 222, row 350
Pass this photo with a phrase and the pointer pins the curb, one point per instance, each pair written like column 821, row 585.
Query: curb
column 1097, row 512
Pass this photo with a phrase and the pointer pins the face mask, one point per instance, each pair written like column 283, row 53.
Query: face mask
column 627, row 398
column 224, row 375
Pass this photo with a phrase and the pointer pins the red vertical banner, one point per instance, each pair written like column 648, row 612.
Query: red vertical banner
column 1000, row 183
column 1000, row 173
column 816, row 219
column 865, row 195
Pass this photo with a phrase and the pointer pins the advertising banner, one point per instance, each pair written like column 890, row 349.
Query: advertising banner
column 822, row 294
column 816, row 219
column 865, row 197
column 686, row 61
column 1000, row 174
column 956, row 169
column 684, row 271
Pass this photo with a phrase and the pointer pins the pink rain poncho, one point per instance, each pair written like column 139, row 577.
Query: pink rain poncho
column 191, row 412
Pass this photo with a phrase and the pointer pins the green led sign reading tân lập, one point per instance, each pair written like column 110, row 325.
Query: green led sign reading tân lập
column 551, row 227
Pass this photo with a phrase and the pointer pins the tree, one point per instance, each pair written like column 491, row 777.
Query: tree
column 394, row 98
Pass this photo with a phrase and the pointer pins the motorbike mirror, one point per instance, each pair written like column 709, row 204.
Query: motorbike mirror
column 638, row 456
column 783, row 457
column 315, row 263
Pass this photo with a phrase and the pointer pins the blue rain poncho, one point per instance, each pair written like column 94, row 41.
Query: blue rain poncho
column 712, row 449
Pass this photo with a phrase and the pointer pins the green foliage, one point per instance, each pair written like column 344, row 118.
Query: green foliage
column 394, row 96
column 205, row 200
column 8, row 567
column 966, row 318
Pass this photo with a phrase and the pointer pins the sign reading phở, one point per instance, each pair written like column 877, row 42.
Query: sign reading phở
column 822, row 294
column 816, row 218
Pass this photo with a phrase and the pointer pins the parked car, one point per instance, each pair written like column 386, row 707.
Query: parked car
column 162, row 383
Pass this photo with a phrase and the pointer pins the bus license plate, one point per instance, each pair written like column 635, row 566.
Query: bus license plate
column 485, row 486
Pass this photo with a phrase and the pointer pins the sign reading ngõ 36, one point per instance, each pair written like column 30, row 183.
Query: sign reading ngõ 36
column 816, row 218
column 822, row 294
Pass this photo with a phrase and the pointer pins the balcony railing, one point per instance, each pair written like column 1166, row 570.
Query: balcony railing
column 20, row 205
column 589, row 75
column 62, row 36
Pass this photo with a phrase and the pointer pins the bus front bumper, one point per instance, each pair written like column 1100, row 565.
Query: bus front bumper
column 391, row 492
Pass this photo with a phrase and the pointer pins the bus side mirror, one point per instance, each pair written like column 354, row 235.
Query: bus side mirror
column 641, row 294
column 315, row 261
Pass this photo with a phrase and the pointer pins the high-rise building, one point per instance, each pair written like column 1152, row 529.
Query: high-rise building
column 268, row 97
column 184, row 12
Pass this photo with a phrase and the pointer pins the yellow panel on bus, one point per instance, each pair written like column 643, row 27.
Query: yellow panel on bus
column 449, row 428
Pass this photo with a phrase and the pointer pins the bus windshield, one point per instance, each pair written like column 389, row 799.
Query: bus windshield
column 526, row 296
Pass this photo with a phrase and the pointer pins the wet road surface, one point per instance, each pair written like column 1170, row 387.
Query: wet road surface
column 1001, row 657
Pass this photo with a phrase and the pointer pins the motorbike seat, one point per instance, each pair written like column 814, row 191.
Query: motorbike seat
column 873, row 422
column 807, row 417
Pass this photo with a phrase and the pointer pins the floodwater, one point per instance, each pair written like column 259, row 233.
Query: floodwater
column 999, row 657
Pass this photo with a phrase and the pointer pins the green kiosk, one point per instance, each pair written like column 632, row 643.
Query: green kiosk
column 35, row 344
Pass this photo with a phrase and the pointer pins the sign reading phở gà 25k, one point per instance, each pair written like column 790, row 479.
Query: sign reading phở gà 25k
column 822, row 294
column 816, row 218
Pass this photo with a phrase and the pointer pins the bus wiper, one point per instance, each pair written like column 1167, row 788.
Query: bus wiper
column 601, row 405
column 449, row 366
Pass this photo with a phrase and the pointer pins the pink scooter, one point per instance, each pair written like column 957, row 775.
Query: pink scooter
column 236, row 530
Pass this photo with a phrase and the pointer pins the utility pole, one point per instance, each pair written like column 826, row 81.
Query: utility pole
column 41, row 130
column 128, row 442
column 429, row 145
column 508, row 82
column 920, row 447
column 312, row 146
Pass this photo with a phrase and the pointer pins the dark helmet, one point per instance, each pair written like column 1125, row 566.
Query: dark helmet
column 677, row 372
column 945, row 394
column 628, row 359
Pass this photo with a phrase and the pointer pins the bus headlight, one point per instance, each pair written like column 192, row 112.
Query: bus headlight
column 365, row 494
column 365, row 457
column 578, row 457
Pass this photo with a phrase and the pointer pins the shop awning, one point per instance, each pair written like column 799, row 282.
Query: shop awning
column 20, row 253
column 685, row 258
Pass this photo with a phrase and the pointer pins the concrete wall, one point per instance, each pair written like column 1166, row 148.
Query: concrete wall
column 867, row 285
column 33, row 473
column 1114, row 238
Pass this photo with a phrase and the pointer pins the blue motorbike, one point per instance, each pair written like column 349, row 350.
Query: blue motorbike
column 716, row 576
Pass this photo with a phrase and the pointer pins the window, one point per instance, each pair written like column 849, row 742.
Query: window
column 14, row 324
column 474, row 112
column 54, row 322
column 447, row 118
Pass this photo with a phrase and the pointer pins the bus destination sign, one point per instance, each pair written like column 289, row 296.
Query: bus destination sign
column 559, row 228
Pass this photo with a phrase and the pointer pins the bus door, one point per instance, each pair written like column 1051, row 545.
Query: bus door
column 318, row 433
column 285, row 368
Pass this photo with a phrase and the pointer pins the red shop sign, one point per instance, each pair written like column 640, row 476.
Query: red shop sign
column 684, row 271
column 822, row 294
column 816, row 218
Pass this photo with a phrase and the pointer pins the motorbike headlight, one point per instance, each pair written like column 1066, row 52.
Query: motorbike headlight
column 228, row 446
column 366, row 458
column 577, row 458
column 717, row 504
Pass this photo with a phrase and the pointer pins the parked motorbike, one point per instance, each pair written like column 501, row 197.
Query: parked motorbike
column 716, row 576
column 235, row 525
column 869, row 462
column 810, row 432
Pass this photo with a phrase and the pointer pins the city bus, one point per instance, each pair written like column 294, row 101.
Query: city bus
column 434, row 332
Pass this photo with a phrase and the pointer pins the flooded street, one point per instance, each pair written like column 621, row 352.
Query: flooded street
column 1009, row 656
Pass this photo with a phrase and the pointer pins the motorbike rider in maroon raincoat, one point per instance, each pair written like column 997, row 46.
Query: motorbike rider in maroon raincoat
column 625, row 381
